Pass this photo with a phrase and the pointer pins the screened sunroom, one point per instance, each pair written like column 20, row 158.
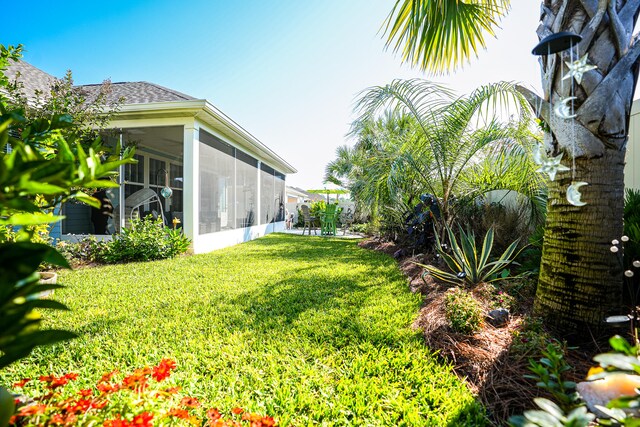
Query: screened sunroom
column 196, row 169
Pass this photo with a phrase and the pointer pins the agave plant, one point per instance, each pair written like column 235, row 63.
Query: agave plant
column 466, row 265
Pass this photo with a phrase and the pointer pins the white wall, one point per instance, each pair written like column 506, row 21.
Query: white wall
column 632, row 159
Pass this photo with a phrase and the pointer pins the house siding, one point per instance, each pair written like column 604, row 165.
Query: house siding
column 632, row 158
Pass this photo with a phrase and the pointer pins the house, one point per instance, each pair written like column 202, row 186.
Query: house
column 195, row 165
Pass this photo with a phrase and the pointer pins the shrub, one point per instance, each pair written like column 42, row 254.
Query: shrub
column 145, row 240
column 462, row 311
column 87, row 249
column 466, row 264
column 142, row 398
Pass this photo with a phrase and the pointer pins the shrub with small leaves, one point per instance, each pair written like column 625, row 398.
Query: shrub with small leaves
column 463, row 311
column 145, row 240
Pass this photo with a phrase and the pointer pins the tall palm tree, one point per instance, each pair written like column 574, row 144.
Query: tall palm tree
column 580, row 280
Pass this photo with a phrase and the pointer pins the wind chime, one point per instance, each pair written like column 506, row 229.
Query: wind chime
column 563, row 109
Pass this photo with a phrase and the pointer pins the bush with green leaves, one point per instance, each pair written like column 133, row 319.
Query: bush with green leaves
column 466, row 265
column 463, row 311
column 145, row 240
column 45, row 166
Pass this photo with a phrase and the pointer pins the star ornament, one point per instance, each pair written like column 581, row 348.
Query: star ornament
column 562, row 110
column 577, row 68
column 551, row 166
column 573, row 193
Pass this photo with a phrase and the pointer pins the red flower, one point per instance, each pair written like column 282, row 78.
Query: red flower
column 190, row 402
column 237, row 410
column 21, row 383
column 80, row 406
column 71, row 376
column 117, row 422
column 136, row 381
column 107, row 388
column 143, row 420
column 163, row 370
column 107, row 377
column 86, row 392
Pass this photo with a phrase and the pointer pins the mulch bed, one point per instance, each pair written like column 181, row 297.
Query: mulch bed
column 484, row 360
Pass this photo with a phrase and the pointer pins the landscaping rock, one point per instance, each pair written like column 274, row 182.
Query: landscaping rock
column 498, row 317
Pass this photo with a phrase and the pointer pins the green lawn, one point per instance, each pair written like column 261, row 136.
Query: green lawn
column 306, row 329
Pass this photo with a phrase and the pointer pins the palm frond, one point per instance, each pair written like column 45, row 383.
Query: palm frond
column 439, row 35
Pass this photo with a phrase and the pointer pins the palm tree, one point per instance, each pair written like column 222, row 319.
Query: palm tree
column 580, row 281
column 429, row 141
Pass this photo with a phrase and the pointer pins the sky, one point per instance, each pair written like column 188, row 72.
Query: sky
column 287, row 71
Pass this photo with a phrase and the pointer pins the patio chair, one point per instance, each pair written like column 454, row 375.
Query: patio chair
column 137, row 200
column 309, row 221
column 346, row 220
column 328, row 220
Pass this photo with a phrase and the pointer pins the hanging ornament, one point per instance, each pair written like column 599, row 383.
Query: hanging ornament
column 573, row 193
column 578, row 68
column 551, row 166
column 562, row 110
column 556, row 42
column 539, row 154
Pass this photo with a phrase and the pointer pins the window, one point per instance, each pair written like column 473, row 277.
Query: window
column 217, row 175
column 246, row 189
column 267, row 195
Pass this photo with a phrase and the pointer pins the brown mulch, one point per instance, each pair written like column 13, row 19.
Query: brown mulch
column 484, row 360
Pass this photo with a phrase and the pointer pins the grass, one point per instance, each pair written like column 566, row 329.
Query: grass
column 312, row 331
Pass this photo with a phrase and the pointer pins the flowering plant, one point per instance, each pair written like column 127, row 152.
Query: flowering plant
column 139, row 399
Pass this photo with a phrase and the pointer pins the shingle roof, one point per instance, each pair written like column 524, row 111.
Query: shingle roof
column 33, row 79
column 139, row 92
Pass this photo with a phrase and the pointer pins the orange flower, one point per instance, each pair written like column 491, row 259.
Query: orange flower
column 172, row 390
column 142, row 420
column 107, row 388
column 21, row 383
column 179, row 413
column 86, row 392
column 117, row 422
column 213, row 415
column 107, row 377
column 36, row 409
column 237, row 410
column 190, row 402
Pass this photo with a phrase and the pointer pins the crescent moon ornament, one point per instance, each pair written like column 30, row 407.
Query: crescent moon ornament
column 578, row 68
column 573, row 193
column 539, row 154
column 562, row 110
column 551, row 166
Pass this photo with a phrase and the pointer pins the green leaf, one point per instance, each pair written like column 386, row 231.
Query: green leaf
column 33, row 187
column 26, row 219
column 621, row 345
column 542, row 418
column 549, row 407
column 622, row 362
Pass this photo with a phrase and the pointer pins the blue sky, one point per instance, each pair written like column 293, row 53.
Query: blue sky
column 287, row 71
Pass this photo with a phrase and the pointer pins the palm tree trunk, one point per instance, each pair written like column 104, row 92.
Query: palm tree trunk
column 580, row 278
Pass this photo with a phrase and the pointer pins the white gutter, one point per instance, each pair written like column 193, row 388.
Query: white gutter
column 208, row 113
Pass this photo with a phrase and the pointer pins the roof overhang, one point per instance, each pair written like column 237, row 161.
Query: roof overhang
column 204, row 111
